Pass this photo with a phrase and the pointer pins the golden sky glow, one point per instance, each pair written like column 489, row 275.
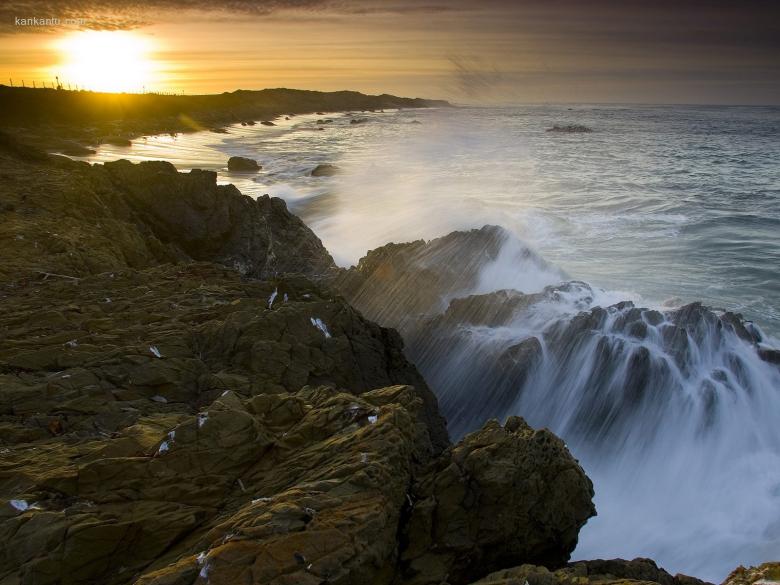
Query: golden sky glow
column 487, row 51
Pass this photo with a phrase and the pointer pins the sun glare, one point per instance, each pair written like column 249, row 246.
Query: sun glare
column 111, row 61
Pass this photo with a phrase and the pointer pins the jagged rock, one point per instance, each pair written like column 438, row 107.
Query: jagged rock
column 145, row 426
column 325, row 170
column 74, row 219
column 185, row 334
column 765, row 574
column 214, row 222
column 613, row 572
column 300, row 487
column 501, row 496
column 398, row 283
column 240, row 163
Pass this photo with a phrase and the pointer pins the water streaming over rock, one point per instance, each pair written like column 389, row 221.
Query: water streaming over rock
column 673, row 412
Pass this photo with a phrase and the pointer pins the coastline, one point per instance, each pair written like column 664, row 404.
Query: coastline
column 119, row 296
column 73, row 121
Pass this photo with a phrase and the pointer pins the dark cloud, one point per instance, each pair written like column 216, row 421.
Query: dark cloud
column 129, row 14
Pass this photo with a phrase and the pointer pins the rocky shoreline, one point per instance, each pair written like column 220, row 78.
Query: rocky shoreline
column 74, row 122
column 186, row 398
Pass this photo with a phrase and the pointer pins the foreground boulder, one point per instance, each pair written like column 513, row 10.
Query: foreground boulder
column 240, row 163
column 501, row 496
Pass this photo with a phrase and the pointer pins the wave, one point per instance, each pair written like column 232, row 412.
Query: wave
column 672, row 411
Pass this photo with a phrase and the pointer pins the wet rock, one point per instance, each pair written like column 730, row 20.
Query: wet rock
column 240, row 163
column 617, row 571
column 398, row 284
column 502, row 496
column 358, row 120
column 259, row 237
column 267, row 123
column 117, row 140
column 765, row 574
column 325, row 170
column 227, row 440
column 570, row 128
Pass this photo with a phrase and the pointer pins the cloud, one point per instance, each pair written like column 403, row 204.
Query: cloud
column 130, row 14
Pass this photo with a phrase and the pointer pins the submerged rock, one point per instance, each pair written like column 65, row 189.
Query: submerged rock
column 240, row 163
column 325, row 170
column 570, row 128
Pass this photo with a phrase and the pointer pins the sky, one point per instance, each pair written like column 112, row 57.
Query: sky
column 490, row 51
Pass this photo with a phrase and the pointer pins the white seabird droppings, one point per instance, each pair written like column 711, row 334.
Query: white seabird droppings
column 204, row 572
column 155, row 351
column 20, row 505
column 272, row 298
column 202, row 418
column 372, row 418
column 318, row 323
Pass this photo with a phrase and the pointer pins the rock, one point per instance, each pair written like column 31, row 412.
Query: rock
column 358, row 120
column 228, row 440
column 250, row 122
column 501, row 496
column 117, row 141
column 765, row 574
column 72, row 148
column 570, row 128
column 398, row 284
column 618, row 571
column 325, row 170
column 240, row 163
column 267, row 123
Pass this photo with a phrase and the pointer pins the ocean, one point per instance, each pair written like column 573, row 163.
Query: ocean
column 660, row 205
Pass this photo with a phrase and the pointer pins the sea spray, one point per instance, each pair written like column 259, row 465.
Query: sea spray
column 672, row 412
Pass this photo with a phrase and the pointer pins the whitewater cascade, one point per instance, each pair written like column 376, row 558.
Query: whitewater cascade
column 672, row 411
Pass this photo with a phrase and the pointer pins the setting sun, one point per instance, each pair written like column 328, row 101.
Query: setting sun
column 106, row 61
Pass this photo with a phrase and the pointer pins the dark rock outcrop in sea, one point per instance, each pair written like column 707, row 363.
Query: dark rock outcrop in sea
column 570, row 129
column 240, row 163
column 325, row 170
column 631, row 360
column 398, row 284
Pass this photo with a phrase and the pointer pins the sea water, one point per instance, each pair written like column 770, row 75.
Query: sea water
column 662, row 205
